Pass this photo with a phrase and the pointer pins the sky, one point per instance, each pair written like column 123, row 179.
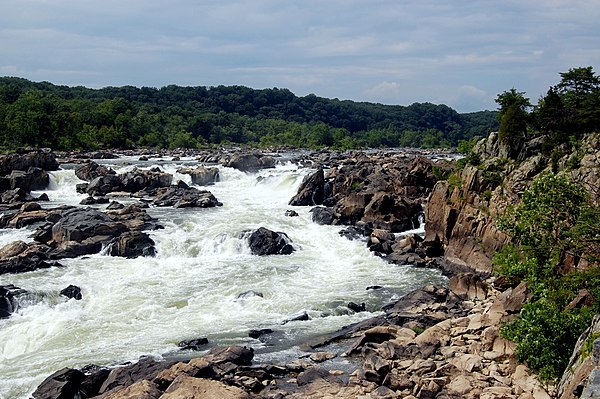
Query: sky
column 456, row 52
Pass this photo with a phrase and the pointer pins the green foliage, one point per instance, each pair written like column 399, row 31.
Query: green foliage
column 42, row 114
column 588, row 345
column 466, row 146
column 454, row 181
column 555, row 220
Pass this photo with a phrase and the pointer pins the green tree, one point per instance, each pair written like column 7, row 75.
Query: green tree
column 513, row 116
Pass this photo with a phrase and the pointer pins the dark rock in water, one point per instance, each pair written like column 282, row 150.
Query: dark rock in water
column 322, row 215
column 300, row 316
column 93, row 201
column 24, row 264
column 72, row 291
column 374, row 287
column 79, row 224
column 249, row 294
column 39, row 159
column 291, row 213
column 43, row 197
column 257, row 333
column 114, row 205
column 355, row 307
column 143, row 158
column 138, row 179
column 132, row 244
column 94, row 378
column 201, row 176
column 102, row 185
column 356, row 232
column 92, row 170
column 9, row 299
column 267, row 242
column 62, row 384
column 185, row 197
column 193, row 344
column 250, row 162
column 311, row 191
column 32, row 179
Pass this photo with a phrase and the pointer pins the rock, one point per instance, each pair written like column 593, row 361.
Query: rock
column 190, row 387
column 355, row 307
column 266, row 242
column 249, row 294
column 250, row 162
column 91, row 170
column 94, row 378
column 93, row 201
column 38, row 159
column 139, row 179
column 258, row 333
column 468, row 286
column 311, row 191
column 320, row 357
column 201, row 176
column 32, row 179
column 193, row 344
column 185, row 197
column 145, row 369
column 72, row 291
column 143, row 389
column 9, row 295
column 102, row 185
column 78, row 224
column 322, row 215
column 239, row 355
column 63, row 384
column 132, row 244
column 291, row 213
column 300, row 316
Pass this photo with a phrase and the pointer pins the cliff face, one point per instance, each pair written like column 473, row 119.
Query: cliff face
column 462, row 210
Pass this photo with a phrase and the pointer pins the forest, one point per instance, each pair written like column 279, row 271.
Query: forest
column 41, row 114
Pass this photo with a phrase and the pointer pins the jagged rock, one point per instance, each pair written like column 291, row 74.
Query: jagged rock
column 91, row 170
column 145, row 369
column 258, row 333
column 39, row 159
column 311, row 191
column 101, row 185
column 63, row 384
column 93, row 201
column 143, row 389
column 250, row 162
column 9, row 295
column 267, row 242
column 193, row 344
column 249, row 294
column 468, row 285
column 201, row 176
column 139, row 179
column 79, row 224
column 132, row 244
column 291, row 213
column 185, row 197
column 322, row 215
column 72, row 291
column 355, row 307
column 300, row 316
column 29, row 180
column 239, row 355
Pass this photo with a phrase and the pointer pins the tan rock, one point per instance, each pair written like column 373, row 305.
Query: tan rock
column 319, row 357
column 459, row 385
column 497, row 392
column 185, row 387
column 467, row 362
column 140, row 390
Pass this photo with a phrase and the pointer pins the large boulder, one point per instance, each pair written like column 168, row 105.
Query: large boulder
column 250, row 162
column 185, row 197
column 322, row 215
column 37, row 159
column 9, row 296
column 79, row 224
column 132, row 244
column 138, row 179
column 91, row 170
column 190, row 387
column 311, row 191
column 201, row 176
column 63, row 384
column 32, row 179
column 267, row 242
column 101, row 185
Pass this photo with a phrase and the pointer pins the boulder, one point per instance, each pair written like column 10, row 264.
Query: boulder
column 38, row 159
column 258, row 333
column 193, row 344
column 9, row 295
column 291, row 213
column 311, row 191
column 101, row 185
column 468, row 286
column 322, row 215
column 63, row 384
column 132, row 244
column 143, row 389
column 78, row 224
column 201, row 176
column 72, row 291
column 300, row 316
column 93, row 201
column 250, row 162
column 139, row 179
column 267, row 242
column 32, row 179
column 91, row 170
column 145, row 369
column 239, row 355
column 189, row 387
column 185, row 197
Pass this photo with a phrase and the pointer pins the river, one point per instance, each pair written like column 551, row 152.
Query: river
column 145, row 306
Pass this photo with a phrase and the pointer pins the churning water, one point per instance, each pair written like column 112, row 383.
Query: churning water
column 145, row 306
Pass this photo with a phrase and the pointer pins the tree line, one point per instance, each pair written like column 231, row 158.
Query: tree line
column 42, row 114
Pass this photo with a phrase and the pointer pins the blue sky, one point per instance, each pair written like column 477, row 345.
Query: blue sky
column 460, row 53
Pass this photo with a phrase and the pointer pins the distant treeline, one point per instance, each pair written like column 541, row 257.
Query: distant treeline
column 61, row 117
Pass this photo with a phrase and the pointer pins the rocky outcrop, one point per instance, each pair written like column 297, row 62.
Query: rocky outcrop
column 182, row 196
column 311, row 191
column 201, row 176
column 91, row 170
column 250, row 162
column 23, row 162
column 9, row 299
column 267, row 242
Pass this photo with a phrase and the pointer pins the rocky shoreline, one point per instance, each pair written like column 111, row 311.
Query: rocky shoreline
column 435, row 342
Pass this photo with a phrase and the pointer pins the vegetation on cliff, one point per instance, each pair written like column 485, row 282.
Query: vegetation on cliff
column 43, row 114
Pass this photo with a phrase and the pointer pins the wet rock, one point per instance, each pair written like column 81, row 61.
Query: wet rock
column 185, row 197
column 9, row 295
column 250, row 162
column 322, row 215
column 355, row 307
column 79, row 224
column 101, row 185
column 72, row 291
column 63, row 384
column 132, row 244
column 374, row 287
column 267, row 242
column 201, row 176
column 291, row 213
column 258, row 333
column 93, row 201
column 91, row 170
column 38, row 159
column 32, row 179
column 193, row 344
column 300, row 316
column 139, row 179
column 320, row 357
column 239, row 355
column 311, row 191
column 249, row 294
column 94, row 378
column 145, row 369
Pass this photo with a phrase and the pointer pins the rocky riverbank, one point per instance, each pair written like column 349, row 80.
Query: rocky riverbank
column 436, row 342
